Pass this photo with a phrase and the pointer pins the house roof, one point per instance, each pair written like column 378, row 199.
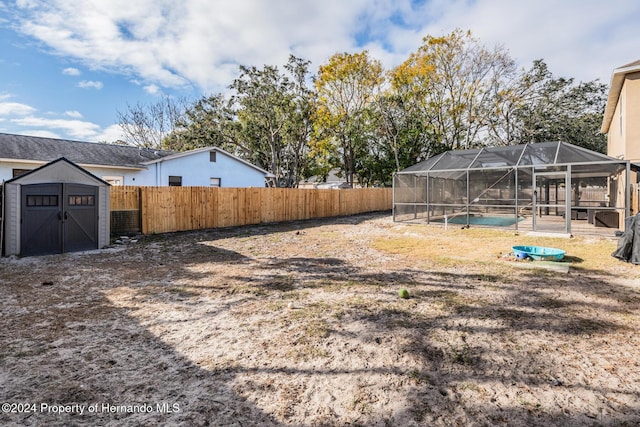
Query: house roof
column 34, row 148
column 332, row 177
column 44, row 150
column 617, row 81
column 48, row 165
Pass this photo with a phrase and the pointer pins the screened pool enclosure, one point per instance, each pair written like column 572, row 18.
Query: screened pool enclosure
column 545, row 187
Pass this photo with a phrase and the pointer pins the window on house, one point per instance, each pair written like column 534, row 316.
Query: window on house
column 175, row 181
column 18, row 172
column 212, row 156
column 215, row 182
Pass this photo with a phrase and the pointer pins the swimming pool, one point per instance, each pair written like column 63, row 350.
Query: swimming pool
column 493, row 221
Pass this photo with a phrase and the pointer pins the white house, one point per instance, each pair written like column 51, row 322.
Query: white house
column 125, row 165
column 210, row 166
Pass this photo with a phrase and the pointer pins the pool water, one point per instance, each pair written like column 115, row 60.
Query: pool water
column 494, row 221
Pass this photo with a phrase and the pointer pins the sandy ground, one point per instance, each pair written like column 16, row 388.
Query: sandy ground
column 301, row 325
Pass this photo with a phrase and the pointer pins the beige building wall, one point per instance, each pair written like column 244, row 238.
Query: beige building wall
column 631, row 132
column 621, row 124
column 621, row 120
column 623, row 137
column 631, row 119
column 615, row 135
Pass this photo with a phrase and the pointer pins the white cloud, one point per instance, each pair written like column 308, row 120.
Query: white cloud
column 585, row 39
column 74, row 114
column 71, row 71
column 196, row 41
column 111, row 133
column 202, row 42
column 75, row 128
column 15, row 108
column 63, row 128
column 89, row 84
column 152, row 89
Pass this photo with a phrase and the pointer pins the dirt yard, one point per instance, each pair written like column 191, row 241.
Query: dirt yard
column 300, row 324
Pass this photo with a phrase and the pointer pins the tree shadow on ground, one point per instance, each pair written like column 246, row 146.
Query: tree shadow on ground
column 264, row 229
column 69, row 343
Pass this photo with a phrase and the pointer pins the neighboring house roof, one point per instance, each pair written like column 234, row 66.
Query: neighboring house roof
column 332, row 176
column 38, row 149
column 617, row 81
column 333, row 180
column 177, row 155
column 60, row 160
column 34, row 148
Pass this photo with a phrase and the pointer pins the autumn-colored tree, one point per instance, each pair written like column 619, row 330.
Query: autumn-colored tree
column 452, row 80
column 347, row 86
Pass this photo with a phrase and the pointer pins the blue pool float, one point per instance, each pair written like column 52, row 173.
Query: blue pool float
column 538, row 253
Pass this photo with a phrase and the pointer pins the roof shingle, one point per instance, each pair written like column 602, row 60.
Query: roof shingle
column 21, row 147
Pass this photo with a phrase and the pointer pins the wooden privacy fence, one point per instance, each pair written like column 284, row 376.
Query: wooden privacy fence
column 167, row 209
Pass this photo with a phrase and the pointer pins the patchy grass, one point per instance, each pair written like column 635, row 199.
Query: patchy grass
column 438, row 248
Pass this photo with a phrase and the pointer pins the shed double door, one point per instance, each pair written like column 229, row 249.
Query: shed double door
column 58, row 218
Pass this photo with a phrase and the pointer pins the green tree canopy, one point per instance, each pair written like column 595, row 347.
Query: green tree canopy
column 558, row 109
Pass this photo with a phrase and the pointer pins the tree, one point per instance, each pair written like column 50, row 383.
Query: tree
column 274, row 112
column 267, row 120
column 263, row 104
column 299, row 127
column 147, row 125
column 346, row 88
column 402, row 138
column 505, row 124
column 207, row 122
column 453, row 80
column 561, row 110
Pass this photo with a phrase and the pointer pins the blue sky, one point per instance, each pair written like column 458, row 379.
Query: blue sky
column 67, row 67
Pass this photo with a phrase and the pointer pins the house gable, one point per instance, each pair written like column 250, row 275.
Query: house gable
column 199, row 168
column 623, row 105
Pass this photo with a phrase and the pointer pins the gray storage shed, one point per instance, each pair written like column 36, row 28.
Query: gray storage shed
column 58, row 207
